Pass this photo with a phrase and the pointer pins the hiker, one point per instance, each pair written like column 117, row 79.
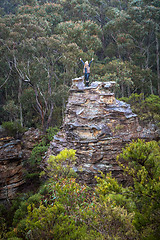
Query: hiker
column 86, row 70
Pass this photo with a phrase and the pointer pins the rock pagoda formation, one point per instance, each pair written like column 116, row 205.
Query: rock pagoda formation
column 97, row 126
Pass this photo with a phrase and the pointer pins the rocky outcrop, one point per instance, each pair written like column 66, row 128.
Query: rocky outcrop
column 97, row 126
column 13, row 152
column 11, row 174
column 29, row 140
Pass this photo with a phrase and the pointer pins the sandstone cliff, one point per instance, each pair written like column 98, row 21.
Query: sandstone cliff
column 13, row 152
column 98, row 126
column 10, row 167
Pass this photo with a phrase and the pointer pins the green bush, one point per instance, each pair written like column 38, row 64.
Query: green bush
column 109, row 189
column 143, row 160
column 61, row 165
column 64, row 209
column 147, row 109
column 51, row 222
column 72, row 211
column 13, row 129
column 51, row 131
column 38, row 152
column 21, row 212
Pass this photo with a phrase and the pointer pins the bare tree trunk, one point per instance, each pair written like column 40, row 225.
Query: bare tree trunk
column 63, row 101
column 147, row 59
column 129, row 91
column 19, row 100
column 51, row 104
column 122, row 89
column 119, row 55
column 39, row 108
column 50, row 115
column 151, row 86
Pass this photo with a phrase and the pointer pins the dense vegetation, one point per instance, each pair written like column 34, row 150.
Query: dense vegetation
column 65, row 209
column 41, row 43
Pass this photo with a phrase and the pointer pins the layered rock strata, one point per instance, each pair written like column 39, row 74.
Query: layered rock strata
column 13, row 152
column 11, row 174
column 97, row 126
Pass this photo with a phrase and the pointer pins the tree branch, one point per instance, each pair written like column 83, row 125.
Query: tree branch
column 6, row 78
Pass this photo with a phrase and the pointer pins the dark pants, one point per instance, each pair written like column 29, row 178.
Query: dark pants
column 87, row 79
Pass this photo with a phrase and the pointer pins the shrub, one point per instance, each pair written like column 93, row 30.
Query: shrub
column 109, row 189
column 64, row 209
column 144, row 166
column 51, row 222
column 61, row 165
column 13, row 129
column 113, row 222
column 34, row 162
column 21, row 212
column 147, row 109
column 51, row 131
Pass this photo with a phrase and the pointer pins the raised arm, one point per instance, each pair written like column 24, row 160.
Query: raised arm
column 81, row 61
column 91, row 62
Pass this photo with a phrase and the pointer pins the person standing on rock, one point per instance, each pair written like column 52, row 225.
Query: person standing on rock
column 86, row 71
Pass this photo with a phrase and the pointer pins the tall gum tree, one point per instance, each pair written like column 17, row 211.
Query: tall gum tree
column 30, row 54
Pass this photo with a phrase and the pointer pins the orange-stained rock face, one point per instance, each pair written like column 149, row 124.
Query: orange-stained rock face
column 97, row 125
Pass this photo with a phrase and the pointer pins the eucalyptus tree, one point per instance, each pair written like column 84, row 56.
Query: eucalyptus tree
column 77, row 10
column 85, row 34
column 133, row 36
column 152, row 12
column 146, row 16
column 31, row 54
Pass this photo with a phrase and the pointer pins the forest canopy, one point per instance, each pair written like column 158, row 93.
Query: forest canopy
column 41, row 43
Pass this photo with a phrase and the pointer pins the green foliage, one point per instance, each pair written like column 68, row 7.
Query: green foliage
column 65, row 209
column 50, row 218
column 39, row 150
column 144, row 166
column 21, row 212
column 113, row 222
column 110, row 211
column 37, row 153
column 110, row 190
column 147, row 109
column 33, row 164
column 66, row 203
column 12, row 110
column 7, row 213
column 120, row 72
column 40, row 47
column 41, row 44
column 51, row 131
column 60, row 165
column 13, row 129
column 142, row 154
column 69, row 193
